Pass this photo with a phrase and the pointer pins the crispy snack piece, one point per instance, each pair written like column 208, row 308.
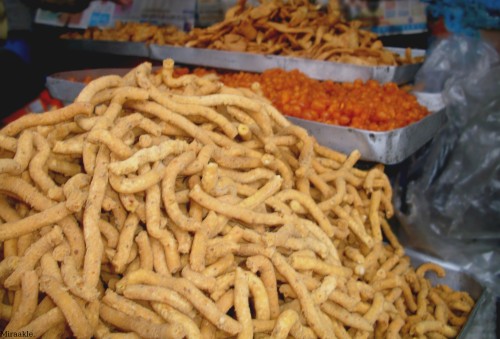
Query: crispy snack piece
column 154, row 215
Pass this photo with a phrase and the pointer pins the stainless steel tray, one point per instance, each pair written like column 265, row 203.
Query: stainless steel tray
column 458, row 280
column 138, row 49
column 322, row 70
column 389, row 147
column 61, row 88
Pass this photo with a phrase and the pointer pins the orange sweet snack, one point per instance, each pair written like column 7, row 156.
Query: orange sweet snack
column 366, row 105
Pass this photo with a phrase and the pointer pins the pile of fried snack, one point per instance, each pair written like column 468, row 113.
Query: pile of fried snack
column 132, row 32
column 293, row 28
column 163, row 207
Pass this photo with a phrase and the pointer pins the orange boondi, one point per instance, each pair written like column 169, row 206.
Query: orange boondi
column 366, row 105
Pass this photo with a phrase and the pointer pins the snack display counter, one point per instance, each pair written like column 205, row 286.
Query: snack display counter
column 163, row 202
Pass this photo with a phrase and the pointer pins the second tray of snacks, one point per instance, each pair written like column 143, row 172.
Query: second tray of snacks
column 274, row 34
column 390, row 146
column 456, row 279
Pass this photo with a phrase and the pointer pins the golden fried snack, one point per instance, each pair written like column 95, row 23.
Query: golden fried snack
column 133, row 32
column 292, row 28
column 124, row 215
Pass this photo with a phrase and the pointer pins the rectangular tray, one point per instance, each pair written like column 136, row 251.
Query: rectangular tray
column 138, row 49
column 316, row 69
column 458, row 280
column 251, row 62
column 66, row 90
column 389, row 147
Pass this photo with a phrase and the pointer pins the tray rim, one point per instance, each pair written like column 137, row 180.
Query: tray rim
column 382, row 73
column 479, row 303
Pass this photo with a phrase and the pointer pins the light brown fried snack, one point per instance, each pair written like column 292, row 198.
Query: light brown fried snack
column 34, row 222
column 310, row 310
column 159, row 294
column 189, row 291
column 48, row 118
column 24, row 152
column 241, row 305
column 143, row 328
column 91, row 217
column 299, row 224
column 69, row 307
column 33, row 255
column 29, row 300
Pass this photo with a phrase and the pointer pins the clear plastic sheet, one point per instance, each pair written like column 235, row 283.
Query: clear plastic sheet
column 449, row 201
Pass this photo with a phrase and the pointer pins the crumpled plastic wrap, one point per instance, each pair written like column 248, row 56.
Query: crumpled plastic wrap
column 449, row 204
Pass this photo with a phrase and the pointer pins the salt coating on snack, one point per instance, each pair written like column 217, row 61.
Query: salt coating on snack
column 163, row 207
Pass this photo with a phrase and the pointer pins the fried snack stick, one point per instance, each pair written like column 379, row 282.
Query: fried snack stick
column 168, row 192
column 130, row 307
column 115, row 145
column 98, row 85
column 164, row 236
column 43, row 323
column 311, row 313
column 309, row 204
column 256, row 287
column 7, row 266
column 151, row 154
column 145, row 250
column 24, row 152
column 200, row 280
column 38, row 171
column 159, row 294
column 142, row 328
column 171, row 315
column 241, row 213
column 33, row 255
column 264, row 266
column 48, row 118
column 34, row 222
column 25, row 192
column 241, row 305
column 288, row 322
column 125, row 242
column 172, row 118
column 197, row 110
column 69, row 307
column 91, row 216
column 74, row 280
column 8, row 143
column 184, row 287
column 29, row 300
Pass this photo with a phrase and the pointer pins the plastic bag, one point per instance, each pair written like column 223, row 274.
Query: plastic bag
column 449, row 205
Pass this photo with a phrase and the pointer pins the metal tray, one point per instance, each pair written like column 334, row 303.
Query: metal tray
column 458, row 280
column 138, row 49
column 390, row 147
column 61, row 88
column 316, row 69
column 322, row 70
